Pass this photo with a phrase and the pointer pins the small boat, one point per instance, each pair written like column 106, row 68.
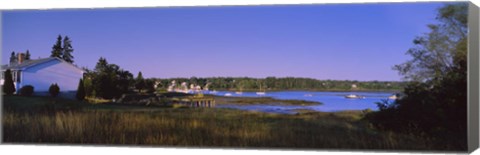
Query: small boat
column 228, row 94
column 308, row 95
column 239, row 91
column 213, row 92
column 393, row 97
column 261, row 93
column 353, row 96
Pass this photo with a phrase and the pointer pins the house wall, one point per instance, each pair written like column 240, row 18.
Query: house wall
column 43, row 75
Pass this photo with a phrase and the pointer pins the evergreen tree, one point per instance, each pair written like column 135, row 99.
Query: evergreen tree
column 13, row 58
column 67, row 50
column 80, row 91
column 140, row 82
column 27, row 55
column 8, row 86
column 57, row 48
column 101, row 65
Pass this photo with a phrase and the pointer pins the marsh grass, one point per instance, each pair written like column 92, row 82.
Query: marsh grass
column 135, row 125
column 261, row 100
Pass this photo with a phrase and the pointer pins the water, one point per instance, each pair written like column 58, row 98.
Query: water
column 332, row 101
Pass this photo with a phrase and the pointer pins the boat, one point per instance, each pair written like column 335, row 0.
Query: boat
column 393, row 97
column 353, row 96
column 239, row 92
column 228, row 94
column 308, row 95
column 213, row 92
column 261, row 93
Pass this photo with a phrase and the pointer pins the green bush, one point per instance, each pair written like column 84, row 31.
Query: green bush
column 54, row 90
column 27, row 90
column 8, row 86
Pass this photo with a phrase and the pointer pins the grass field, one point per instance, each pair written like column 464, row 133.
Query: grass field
column 56, row 121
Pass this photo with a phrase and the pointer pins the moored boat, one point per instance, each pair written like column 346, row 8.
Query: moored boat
column 261, row 93
column 393, row 97
column 353, row 96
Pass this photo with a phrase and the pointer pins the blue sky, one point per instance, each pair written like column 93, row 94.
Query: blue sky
column 334, row 41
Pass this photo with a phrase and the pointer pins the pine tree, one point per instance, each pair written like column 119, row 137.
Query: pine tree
column 140, row 82
column 27, row 55
column 57, row 48
column 67, row 50
column 80, row 91
column 8, row 86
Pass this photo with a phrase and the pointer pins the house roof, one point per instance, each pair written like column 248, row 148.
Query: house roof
column 30, row 63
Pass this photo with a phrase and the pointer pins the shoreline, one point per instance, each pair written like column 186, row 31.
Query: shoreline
column 332, row 90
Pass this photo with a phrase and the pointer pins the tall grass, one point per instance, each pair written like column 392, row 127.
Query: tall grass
column 202, row 127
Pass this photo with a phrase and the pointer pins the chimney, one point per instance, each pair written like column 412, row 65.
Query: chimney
column 21, row 58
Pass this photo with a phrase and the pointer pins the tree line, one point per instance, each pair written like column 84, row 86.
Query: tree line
column 282, row 83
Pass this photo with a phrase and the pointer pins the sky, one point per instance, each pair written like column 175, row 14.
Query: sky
column 325, row 41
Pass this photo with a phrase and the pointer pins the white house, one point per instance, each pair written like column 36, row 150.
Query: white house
column 41, row 73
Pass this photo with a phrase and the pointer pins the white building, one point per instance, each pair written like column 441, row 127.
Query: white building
column 41, row 73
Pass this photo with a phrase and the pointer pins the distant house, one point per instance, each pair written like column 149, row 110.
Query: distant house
column 41, row 73
column 354, row 86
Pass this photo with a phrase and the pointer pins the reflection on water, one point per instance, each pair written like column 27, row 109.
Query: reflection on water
column 332, row 101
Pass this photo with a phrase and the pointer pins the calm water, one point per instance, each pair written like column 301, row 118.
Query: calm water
column 332, row 101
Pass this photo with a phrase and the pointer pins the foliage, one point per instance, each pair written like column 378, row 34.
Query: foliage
column 140, row 82
column 54, row 90
column 107, row 80
column 27, row 55
column 8, row 86
column 27, row 90
column 63, row 51
column 283, row 83
column 57, row 48
column 149, row 85
column 80, row 95
column 67, row 50
column 434, row 104
column 87, row 83
column 436, row 53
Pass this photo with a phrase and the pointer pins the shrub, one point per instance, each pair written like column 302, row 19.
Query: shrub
column 80, row 91
column 54, row 90
column 27, row 90
column 8, row 86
